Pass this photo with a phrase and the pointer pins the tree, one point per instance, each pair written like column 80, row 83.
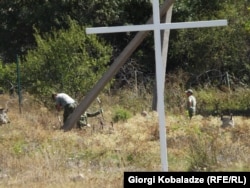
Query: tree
column 191, row 49
column 19, row 17
column 66, row 61
column 198, row 50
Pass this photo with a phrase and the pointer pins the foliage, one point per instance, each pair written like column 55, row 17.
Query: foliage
column 214, row 48
column 121, row 114
column 213, row 101
column 192, row 50
column 66, row 61
column 8, row 76
column 18, row 19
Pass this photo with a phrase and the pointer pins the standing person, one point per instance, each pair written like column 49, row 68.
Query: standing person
column 64, row 101
column 191, row 103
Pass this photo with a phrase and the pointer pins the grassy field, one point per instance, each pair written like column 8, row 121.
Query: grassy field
column 35, row 152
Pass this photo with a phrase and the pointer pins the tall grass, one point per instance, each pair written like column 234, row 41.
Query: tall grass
column 35, row 152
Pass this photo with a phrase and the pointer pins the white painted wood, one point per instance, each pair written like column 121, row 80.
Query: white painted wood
column 162, row 26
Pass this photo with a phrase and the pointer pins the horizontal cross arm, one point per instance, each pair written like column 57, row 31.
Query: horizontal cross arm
column 119, row 29
column 162, row 26
column 197, row 24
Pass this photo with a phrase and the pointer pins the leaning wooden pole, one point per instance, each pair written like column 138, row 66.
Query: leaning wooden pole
column 109, row 74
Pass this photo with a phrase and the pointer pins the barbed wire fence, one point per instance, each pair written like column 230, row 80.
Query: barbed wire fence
column 131, row 77
column 217, row 78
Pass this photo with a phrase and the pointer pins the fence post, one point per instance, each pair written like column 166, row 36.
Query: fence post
column 18, row 85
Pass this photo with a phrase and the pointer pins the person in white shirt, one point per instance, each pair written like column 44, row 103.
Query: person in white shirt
column 191, row 103
column 64, row 101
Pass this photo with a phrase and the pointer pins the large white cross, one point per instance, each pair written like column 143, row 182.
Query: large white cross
column 160, row 72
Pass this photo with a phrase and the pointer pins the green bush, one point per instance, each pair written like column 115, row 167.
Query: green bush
column 121, row 115
column 213, row 101
column 66, row 61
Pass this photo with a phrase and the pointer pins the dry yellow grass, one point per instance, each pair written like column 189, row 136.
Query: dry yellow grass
column 36, row 153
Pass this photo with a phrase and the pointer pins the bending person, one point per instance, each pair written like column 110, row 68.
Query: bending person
column 68, row 104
